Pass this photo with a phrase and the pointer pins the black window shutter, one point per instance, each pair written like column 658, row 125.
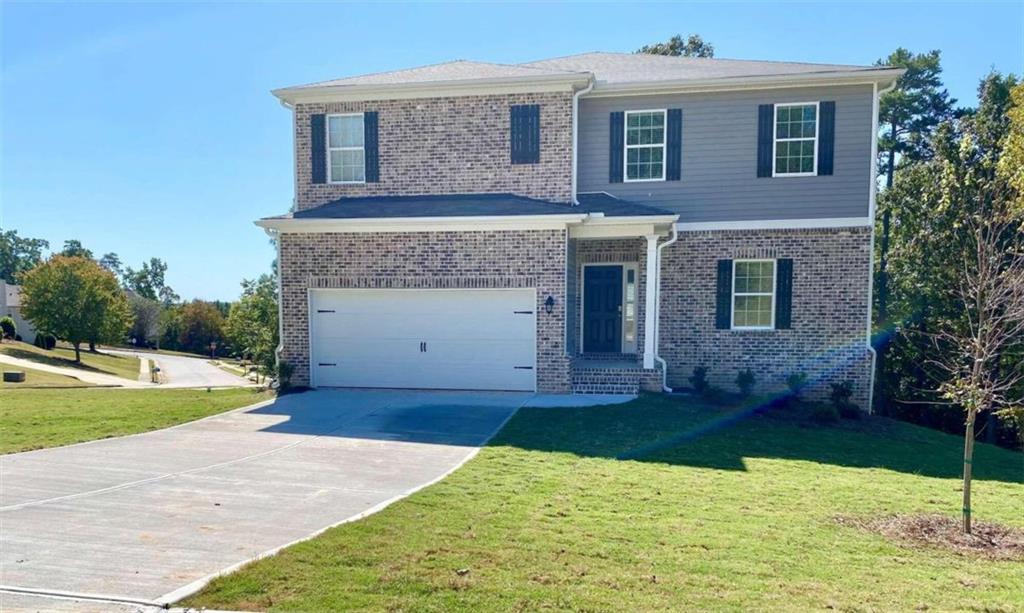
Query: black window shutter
column 616, row 129
column 372, row 159
column 765, row 133
column 783, row 293
column 674, row 145
column 524, row 122
column 318, row 147
column 723, row 296
column 826, row 136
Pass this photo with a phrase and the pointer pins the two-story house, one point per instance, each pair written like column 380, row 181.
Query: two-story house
column 601, row 222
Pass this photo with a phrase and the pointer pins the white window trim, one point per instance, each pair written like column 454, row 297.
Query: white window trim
column 626, row 146
column 327, row 144
column 732, row 297
column 776, row 139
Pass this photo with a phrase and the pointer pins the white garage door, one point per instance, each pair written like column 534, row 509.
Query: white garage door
column 425, row 339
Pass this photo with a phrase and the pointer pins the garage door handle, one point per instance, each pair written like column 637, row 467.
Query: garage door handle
column 522, row 312
column 325, row 310
column 326, row 364
column 523, row 367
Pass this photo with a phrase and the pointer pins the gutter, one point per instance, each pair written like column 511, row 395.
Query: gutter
column 575, row 136
column 656, row 336
column 853, row 77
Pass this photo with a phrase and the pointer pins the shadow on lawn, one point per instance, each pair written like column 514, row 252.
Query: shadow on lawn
column 54, row 360
column 685, row 431
column 664, row 429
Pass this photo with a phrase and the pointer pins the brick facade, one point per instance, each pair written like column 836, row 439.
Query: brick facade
column 829, row 315
column 507, row 259
column 611, row 251
column 449, row 145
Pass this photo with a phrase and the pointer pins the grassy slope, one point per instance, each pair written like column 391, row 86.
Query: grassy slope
column 33, row 419
column 120, row 366
column 39, row 378
column 737, row 518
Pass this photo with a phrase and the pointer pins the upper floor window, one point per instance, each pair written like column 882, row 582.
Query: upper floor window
column 753, row 294
column 796, row 139
column 345, row 148
column 645, row 146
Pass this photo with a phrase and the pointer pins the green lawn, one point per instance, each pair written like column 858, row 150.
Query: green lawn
column 39, row 378
column 735, row 517
column 33, row 419
column 117, row 365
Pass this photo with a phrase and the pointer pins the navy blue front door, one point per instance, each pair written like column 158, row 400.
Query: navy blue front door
column 602, row 309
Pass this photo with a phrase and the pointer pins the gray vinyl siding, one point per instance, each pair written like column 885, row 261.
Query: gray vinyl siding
column 719, row 169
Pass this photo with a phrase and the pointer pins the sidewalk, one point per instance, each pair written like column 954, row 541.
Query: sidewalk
column 80, row 374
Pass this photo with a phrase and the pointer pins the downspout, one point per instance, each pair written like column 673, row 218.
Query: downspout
column 872, row 204
column 575, row 134
column 657, row 313
column 274, row 234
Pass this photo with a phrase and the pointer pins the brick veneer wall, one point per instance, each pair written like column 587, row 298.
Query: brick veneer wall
column 448, row 146
column 830, row 306
column 527, row 258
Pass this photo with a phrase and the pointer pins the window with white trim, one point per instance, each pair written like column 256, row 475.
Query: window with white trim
column 796, row 139
column 645, row 146
column 345, row 153
column 753, row 294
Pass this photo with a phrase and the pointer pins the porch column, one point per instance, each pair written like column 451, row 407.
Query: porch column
column 651, row 301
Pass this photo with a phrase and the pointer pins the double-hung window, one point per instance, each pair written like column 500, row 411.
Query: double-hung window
column 753, row 294
column 345, row 148
column 796, row 139
column 645, row 146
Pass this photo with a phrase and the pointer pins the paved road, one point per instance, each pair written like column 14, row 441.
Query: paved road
column 145, row 516
column 182, row 371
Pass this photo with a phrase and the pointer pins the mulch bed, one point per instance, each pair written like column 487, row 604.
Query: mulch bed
column 991, row 541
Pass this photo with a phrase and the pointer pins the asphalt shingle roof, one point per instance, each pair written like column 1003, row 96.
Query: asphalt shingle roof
column 458, row 70
column 470, row 205
column 641, row 67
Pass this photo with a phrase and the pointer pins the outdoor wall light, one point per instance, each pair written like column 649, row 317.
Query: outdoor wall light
column 549, row 305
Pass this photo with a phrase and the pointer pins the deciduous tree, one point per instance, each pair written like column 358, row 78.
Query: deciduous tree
column 76, row 300
column 18, row 254
column 692, row 46
column 252, row 323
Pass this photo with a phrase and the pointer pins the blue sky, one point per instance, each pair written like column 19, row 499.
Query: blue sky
column 149, row 130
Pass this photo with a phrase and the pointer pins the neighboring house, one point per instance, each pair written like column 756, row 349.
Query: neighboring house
column 11, row 306
column 589, row 223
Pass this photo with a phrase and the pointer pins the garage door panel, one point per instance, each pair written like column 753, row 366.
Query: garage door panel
column 443, row 339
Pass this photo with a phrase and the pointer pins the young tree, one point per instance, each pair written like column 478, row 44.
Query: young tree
column 976, row 232
column 112, row 262
column 18, row 255
column 693, row 46
column 252, row 323
column 76, row 300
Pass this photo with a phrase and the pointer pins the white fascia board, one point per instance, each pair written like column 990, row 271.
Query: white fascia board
column 433, row 89
column 882, row 76
column 423, row 224
column 775, row 224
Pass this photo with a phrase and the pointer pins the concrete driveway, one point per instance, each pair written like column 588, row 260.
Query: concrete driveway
column 148, row 518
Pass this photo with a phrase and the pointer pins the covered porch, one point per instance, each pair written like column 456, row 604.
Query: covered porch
column 612, row 305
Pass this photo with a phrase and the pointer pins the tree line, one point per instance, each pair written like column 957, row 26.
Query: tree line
column 78, row 298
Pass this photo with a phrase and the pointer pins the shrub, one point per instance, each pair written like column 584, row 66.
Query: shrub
column 45, row 341
column 699, row 380
column 824, row 413
column 7, row 327
column 840, row 396
column 796, row 383
column 284, row 375
column 746, row 380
